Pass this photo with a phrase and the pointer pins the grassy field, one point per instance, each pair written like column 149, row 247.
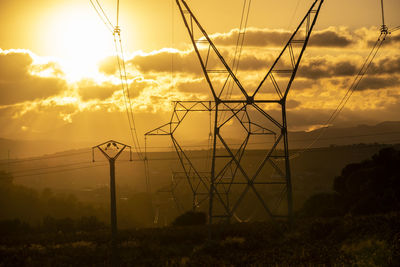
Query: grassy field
column 348, row 241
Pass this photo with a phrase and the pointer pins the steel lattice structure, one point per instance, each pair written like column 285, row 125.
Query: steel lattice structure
column 247, row 114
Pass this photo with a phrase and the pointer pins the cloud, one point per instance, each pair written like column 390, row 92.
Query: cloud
column 166, row 60
column 89, row 89
column 249, row 62
column 331, row 37
column 108, row 65
column 386, row 65
column 327, row 67
column 17, row 84
column 253, row 37
column 378, row 83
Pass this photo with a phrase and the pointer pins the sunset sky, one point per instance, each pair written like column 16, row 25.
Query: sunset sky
column 59, row 79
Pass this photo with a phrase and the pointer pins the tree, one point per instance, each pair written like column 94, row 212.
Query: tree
column 368, row 187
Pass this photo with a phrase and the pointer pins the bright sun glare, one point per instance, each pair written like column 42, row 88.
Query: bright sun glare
column 80, row 40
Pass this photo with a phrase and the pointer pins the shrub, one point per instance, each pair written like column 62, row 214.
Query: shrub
column 190, row 218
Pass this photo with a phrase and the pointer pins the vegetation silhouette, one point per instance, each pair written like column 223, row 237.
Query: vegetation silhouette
column 369, row 240
column 369, row 187
column 190, row 218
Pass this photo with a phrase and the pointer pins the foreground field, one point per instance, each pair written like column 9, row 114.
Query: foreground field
column 357, row 241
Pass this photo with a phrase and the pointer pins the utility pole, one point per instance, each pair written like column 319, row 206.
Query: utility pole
column 111, row 150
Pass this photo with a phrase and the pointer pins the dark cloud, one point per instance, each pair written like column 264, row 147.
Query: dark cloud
column 253, row 37
column 251, row 62
column 14, row 65
column 303, row 84
column 194, row 86
column 188, row 63
column 329, row 38
column 291, row 104
column 138, row 85
column 89, row 89
column 316, row 68
column 166, row 61
column 391, row 39
column 377, row 83
column 386, row 65
column 18, row 85
column 265, row 37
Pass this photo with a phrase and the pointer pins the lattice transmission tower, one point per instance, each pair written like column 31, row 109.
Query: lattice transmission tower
column 242, row 182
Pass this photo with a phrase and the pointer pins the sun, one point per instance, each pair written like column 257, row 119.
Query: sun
column 80, row 40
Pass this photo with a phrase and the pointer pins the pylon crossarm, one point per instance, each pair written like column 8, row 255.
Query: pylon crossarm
column 237, row 107
column 111, row 143
column 195, row 105
column 260, row 129
column 211, row 44
column 160, row 130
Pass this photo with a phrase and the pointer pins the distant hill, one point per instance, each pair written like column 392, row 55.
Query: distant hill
column 74, row 172
column 32, row 148
column 383, row 133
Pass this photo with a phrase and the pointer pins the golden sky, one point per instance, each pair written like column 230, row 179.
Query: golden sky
column 58, row 79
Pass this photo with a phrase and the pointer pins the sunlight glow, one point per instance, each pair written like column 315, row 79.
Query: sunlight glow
column 80, row 40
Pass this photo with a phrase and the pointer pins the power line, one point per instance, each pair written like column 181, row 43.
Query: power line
column 124, row 80
column 295, row 140
column 51, row 167
column 394, row 29
column 104, row 14
column 23, row 173
column 122, row 70
column 356, row 81
column 44, row 158
column 58, row 171
column 104, row 19
column 155, row 147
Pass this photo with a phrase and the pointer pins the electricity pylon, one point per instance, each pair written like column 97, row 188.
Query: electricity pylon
column 248, row 115
column 111, row 150
column 252, row 114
